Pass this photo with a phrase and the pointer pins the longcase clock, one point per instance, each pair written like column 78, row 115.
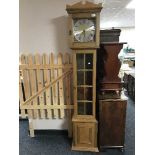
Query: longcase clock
column 84, row 40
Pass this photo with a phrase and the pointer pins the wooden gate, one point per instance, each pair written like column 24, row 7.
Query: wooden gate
column 47, row 87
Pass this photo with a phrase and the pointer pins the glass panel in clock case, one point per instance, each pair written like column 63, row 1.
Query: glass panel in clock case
column 80, row 108
column 88, row 93
column 88, row 78
column 88, row 107
column 80, row 78
column 80, row 61
column 80, row 93
column 89, row 61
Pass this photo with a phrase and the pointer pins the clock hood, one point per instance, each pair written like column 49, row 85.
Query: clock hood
column 84, row 7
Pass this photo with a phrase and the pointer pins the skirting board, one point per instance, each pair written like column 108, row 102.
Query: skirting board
column 50, row 124
column 51, row 132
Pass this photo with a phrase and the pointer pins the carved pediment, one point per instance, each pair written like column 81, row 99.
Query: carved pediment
column 84, row 7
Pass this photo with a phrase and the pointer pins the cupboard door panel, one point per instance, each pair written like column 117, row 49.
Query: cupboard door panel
column 85, row 134
column 112, row 115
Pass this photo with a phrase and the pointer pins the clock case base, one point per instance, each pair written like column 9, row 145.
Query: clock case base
column 84, row 134
column 76, row 148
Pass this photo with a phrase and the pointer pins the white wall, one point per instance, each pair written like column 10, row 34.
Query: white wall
column 46, row 124
column 128, row 35
column 43, row 26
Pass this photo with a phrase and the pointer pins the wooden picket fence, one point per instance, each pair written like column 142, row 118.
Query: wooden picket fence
column 45, row 86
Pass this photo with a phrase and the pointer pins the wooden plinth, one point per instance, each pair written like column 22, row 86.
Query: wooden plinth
column 76, row 148
column 84, row 134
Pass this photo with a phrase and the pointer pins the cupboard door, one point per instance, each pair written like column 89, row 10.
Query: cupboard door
column 112, row 115
column 85, row 133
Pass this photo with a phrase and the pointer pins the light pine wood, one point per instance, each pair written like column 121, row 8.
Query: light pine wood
column 84, row 126
column 31, row 129
column 46, row 87
column 21, row 100
column 84, row 7
column 69, row 23
column 94, row 82
column 46, row 82
column 75, row 83
column 44, row 66
column 37, row 85
column 40, row 79
column 71, row 78
column 97, row 30
column 61, row 92
column 86, row 10
column 84, row 86
column 54, row 87
column 22, row 74
column 25, row 77
column 91, row 149
column 84, row 134
column 26, row 81
column 40, row 84
column 32, row 86
column 68, row 98
column 47, row 107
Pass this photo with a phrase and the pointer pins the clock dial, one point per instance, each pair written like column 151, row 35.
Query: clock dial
column 84, row 30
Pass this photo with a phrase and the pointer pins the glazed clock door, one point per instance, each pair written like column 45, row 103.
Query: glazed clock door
column 85, row 81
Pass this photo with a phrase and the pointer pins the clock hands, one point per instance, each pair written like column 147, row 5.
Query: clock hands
column 78, row 32
column 90, row 28
column 84, row 32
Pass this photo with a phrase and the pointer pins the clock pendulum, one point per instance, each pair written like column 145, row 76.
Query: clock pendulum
column 84, row 40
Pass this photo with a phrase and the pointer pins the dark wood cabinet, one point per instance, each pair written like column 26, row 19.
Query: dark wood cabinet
column 111, row 108
column 110, row 35
column 112, row 116
column 108, row 56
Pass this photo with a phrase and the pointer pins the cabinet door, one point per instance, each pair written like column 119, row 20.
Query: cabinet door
column 112, row 116
column 84, row 134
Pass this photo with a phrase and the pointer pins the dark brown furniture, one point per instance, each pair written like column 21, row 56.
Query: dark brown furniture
column 112, row 115
column 111, row 107
column 109, row 80
column 111, row 35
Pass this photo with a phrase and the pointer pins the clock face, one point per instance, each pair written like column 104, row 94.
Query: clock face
column 84, row 30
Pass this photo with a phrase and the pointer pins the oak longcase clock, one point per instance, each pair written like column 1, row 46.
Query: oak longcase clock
column 84, row 40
